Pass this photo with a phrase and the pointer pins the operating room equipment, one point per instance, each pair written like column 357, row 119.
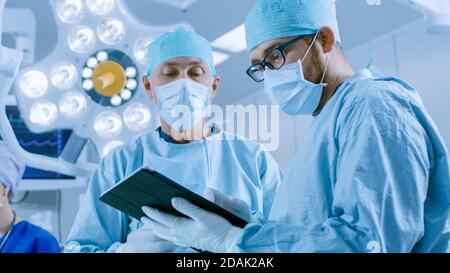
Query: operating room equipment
column 436, row 12
column 90, row 83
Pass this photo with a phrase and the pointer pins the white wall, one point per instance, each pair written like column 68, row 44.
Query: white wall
column 419, row 58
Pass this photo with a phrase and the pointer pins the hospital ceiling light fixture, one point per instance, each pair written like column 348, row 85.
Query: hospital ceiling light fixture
column 70, row 11
column 137, row 117
column 81, row 39
column 63, row 75
column 100, row 7
column 233, row 41
column 140, row 50
column 73, row 104
column 43, row 113
column 111, row 31
column 220, row 57
column 34, row 84
column 90, row 83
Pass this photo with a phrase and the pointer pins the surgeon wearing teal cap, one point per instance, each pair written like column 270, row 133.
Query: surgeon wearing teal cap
column 373, row 173
column 197, row 154
column 181, row 76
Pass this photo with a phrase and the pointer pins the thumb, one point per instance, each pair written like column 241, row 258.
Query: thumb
column 187, row 208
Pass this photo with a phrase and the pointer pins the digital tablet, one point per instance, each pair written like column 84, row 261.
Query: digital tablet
column 149, row 188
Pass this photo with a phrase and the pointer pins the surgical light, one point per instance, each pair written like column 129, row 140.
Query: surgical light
column 111, row 31
column 81, row 39
column 114, row 81
column 137, row 117
column 87, row 73
column 88, row 82
column 100, row 7
column 70, row 11
column 88, row 85
column 131, row 84
column 116, row 100
column 111, row 146
column 108, row 124
column 72, row 104
column 126, row 94
column 63, row 75
column 33, row 84
column 43, row 113
column 131, row 72
column 102, row 56
column 140, row 50
column 92, row 62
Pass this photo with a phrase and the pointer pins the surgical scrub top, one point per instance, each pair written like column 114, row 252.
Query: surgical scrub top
column 236, row 166
column 28, row 238
column 372, row 176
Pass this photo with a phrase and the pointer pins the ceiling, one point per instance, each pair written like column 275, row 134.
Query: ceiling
column 359, row 23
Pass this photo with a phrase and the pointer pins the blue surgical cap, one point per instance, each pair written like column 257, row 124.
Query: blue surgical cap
column 12, row 167
column 180, row 43
column 274, row 19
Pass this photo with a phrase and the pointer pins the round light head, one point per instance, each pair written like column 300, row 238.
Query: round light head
column 63, row 75
column 137, row 117
column 70, row 11
column 81, row 39
column 34, row 84
column 131, row 72
column 100, row 7
column 102, row 56
column 72, row 104
column 43, row 113
column 87, row 73
column 108, row 124
column 111, row 31
column 141, row 50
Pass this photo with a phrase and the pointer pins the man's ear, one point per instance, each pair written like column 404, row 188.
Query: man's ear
column 147, row 86
column 4, row 189
column 327, row 39
column 215, row 86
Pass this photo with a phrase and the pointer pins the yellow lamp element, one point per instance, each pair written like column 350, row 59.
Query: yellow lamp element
column 109, row 78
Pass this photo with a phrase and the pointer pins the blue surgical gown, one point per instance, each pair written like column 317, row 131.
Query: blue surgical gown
column 372, row 176
column 233, row 165
column 28, row 238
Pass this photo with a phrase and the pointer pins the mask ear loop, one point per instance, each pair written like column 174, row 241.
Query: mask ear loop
column 310, row 47
column 326, row 65
column 325, row 71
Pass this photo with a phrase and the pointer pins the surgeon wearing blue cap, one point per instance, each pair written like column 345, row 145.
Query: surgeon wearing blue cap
column 373, row 173
column 16, row 234
column 197, row 154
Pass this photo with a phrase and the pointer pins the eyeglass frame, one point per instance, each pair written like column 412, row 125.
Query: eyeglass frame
column 281, row 48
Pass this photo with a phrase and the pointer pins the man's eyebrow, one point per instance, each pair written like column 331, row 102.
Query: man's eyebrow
column 266, row 51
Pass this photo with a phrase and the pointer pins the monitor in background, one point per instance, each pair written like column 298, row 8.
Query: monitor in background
column 51, row 144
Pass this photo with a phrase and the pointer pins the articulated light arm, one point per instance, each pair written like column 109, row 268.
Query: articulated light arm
column 437, row 13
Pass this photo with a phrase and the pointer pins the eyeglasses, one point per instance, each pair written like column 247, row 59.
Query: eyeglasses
column 274, row 60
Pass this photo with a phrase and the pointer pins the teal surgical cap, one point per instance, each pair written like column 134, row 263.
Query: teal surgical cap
column 180, row 43
column 274, row 19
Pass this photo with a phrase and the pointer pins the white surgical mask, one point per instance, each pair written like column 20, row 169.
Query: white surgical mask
column 183, row 104
column 288, row 88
